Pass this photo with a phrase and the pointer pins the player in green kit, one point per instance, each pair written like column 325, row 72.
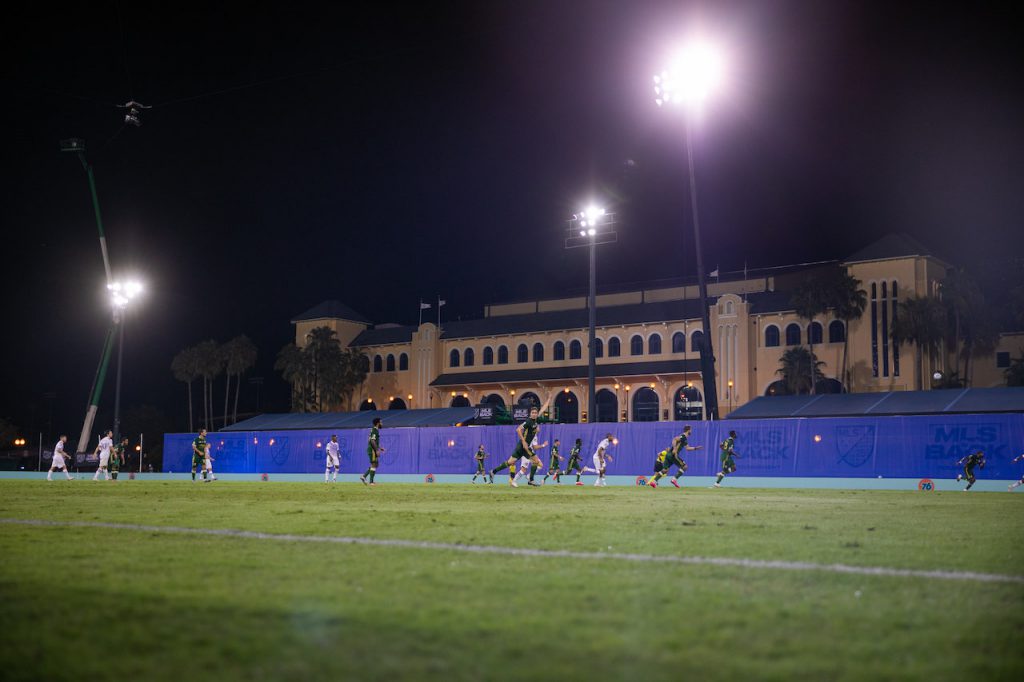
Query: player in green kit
column 728, row 463
column 672, row 456
column 373, row 451
column 975, row 459
column 575, row 462
column 117, row 457
column 525, row 435
column 199, row 453
column 554, row 464
column 480, row 469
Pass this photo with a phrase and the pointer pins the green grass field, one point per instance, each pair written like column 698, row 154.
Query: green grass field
column 100, row 603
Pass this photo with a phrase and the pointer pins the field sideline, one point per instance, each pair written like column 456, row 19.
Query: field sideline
column 576, row 583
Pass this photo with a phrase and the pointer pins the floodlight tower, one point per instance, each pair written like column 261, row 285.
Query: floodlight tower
column 121, row 295
column 694, row 75
column 591, row 227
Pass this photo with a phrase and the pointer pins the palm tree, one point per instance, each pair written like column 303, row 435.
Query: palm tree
column 980, row 337
column 295, row 369
column 810, row 299
column 210, row 365
column 922, row 322
column 962, row 297
column 240, row 353
column 1015, row 372
column 849, row 302
column 185, row 366
column 796, row 367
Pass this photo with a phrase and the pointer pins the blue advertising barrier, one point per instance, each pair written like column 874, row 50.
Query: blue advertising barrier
column 861, row 447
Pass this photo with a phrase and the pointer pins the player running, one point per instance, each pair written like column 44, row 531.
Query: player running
column 601, row 459
column 728, row 461
column 103, row 450
column 58, row 460
column 118, row 457
column 479, row 458
column 526, row 433
column 555, row 464
column 1018, row 483
column 975, row 459
column 575, row 462
column 524, row 462
column 333, row 458
column 199, row 447
column 373, row 451
column 672, row 457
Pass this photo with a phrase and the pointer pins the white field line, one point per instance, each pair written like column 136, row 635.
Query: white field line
column 761, row 564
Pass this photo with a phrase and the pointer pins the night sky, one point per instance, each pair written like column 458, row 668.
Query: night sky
column 381, row 153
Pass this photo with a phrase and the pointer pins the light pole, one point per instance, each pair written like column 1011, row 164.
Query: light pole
column 730, row 395
column 692, row 77
column 590, row 228
column 120, row 296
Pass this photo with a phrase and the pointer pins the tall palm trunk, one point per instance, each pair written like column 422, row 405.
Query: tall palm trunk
column 920, row 367
column 846, row 370
column 810, row 343
column 238, row 389
column 190, row 425
column 227, row 394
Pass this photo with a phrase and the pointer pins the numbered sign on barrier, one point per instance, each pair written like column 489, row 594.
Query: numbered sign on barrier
column 641, row 480
column 429, row 478
column 926, row 485
column 264, row 477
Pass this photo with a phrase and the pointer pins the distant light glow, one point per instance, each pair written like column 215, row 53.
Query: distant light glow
column 583, row 233
column 591, row 232
column 817, row 438
column 693, row 75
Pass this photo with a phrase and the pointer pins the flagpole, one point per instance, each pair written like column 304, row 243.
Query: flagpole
column 421, row 314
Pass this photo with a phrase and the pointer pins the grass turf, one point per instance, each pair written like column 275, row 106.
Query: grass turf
column 92, row 603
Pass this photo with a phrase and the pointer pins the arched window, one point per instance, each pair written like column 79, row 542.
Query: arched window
column 378, row 363
column 689, row 404
column 453, row 358
column 679, row 342
column 567, row 408
column 460, row 401
column 836, row 331
column 396, row 404
column 558, row 352
column 614, row 347
column 654, row 344
column 793, row 334
column 494, row 399
column 390, row 364
column 636, row 345
column 502, row 355
column 488, row 356
column 538, row 352
column 529, row 399
column 645, row 405
column 575, row 350
column 403, row 362
column 814, row 333
column 367, row 405
column 468, row 357
column 696, row 340
column 522, row 353
column 771, row 336
column 598, row 348
column 607, row 407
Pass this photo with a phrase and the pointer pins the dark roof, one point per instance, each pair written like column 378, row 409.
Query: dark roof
column 893, row 245
column 378, row 337
column 333, row 310
column 443, row 416
column 951, row 401
column 625, row 369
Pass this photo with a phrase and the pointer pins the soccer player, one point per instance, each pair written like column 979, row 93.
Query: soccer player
column 117, row 458
column 479, row 458
column 672, row 456
column 601, row 459
column 103, row 450
column 974, row 459
column 575, row 462
column 555, row 464
column 526, row 433
column 1009, row 487
column 728, row 461
column 524, row 462
column 333, row 458
column 373, row 451
column 58, row 460
column 208, row 465
column 199, row 454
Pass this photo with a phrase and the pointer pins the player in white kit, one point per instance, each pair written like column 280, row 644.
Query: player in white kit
column 333, row 459
column 58, row 460
column 208, row 465
column 103, row 450
column 601, row 459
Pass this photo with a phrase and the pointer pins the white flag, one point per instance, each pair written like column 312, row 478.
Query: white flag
column 440, row 303
column 424, row 306
column 713, row 273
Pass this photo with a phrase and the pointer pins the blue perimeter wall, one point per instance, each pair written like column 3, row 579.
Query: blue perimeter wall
column 892, row 447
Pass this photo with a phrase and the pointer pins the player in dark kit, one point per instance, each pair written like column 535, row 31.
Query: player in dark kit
column 673, row 457
column 1021, row 481
column 479, row 457
column 575, row 462
column 117, row 457
column 199, row 453
column 728, row 463
column 373, row 451
column 525, row 434
column 975, row 459
column 555, row 464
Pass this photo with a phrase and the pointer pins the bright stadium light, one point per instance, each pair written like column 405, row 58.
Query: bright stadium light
column 692, row 76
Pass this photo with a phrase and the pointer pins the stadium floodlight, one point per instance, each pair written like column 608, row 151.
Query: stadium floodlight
column 121, row 295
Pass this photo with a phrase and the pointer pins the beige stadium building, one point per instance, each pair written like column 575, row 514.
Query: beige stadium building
column 648, row 368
